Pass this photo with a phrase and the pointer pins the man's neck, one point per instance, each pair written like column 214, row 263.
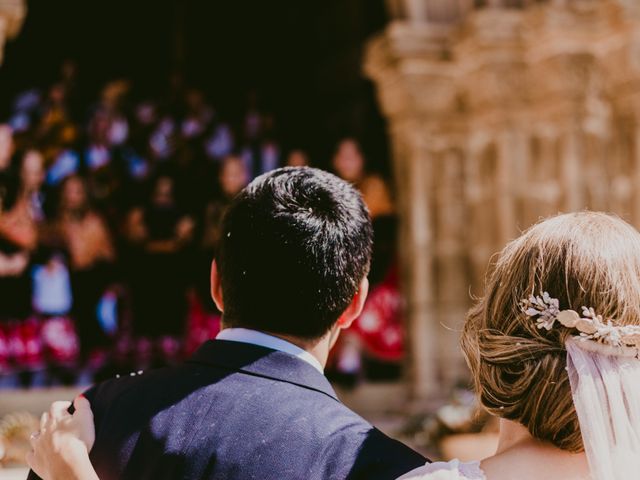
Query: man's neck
column 319, row 349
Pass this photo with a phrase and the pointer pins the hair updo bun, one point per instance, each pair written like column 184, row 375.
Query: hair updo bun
column 582, row 259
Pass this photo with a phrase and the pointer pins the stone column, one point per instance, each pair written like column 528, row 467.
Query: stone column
column 499, row 116
column 418, row 94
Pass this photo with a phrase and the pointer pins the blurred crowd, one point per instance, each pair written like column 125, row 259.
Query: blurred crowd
column 110, row 216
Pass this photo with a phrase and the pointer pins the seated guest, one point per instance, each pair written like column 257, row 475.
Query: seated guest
column 160, row 233
column 349, row 164
column 20, row 219
column 204, row 317
column 232, row 178
column 52, row 301
column 254, row 403
column 297, row 158
column 84, row 234
column 374, row 347
column 6, row 150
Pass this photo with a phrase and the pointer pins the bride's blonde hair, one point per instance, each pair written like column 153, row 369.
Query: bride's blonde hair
column 583, row 259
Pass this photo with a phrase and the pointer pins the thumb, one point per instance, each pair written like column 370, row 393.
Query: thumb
column 82, row 408
column 84, row 417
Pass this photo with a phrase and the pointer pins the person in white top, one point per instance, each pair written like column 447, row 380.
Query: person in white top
column 554, row 347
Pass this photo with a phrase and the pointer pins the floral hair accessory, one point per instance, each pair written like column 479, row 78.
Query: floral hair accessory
column 546, row 310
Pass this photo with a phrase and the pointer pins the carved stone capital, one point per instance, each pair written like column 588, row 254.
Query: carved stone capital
column 410, row 64
column 497, row 119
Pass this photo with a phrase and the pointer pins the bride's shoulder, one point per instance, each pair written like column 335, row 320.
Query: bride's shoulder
column 453, row 470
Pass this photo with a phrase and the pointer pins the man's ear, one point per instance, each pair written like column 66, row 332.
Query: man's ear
column 216, row 287
column 354, row 309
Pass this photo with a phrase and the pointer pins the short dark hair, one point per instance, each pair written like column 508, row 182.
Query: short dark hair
column 296, row 243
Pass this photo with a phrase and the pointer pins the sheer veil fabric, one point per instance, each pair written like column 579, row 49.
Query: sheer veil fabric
column 605, row 383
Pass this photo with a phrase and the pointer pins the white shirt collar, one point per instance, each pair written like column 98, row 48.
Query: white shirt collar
column 261, row 339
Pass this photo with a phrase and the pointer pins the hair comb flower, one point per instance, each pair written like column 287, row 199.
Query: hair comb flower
column 591, row 326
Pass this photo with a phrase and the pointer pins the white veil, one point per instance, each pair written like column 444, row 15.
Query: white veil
column 605, row 383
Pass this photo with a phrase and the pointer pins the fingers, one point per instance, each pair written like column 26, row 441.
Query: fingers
column 44, row 419
column 41, row 441
column 82, row 406
column 31, row 461
column 33, row 438
column 59, row 410
column 31, row 457
column 35, row 464
column 83, row 419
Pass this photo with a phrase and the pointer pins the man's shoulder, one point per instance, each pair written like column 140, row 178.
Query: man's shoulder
column 134, row 382
column 156, row 389
column 380, row 456
column 177, row 382
column 187, row 398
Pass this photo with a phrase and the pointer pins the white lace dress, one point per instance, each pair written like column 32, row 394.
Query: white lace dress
column 453, row 470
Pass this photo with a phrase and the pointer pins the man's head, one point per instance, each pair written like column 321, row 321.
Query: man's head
column 295, row 251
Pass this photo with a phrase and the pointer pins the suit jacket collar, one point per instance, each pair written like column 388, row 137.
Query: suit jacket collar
column 262, row 362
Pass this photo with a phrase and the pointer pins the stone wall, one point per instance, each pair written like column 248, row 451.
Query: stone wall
column 499, row 113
